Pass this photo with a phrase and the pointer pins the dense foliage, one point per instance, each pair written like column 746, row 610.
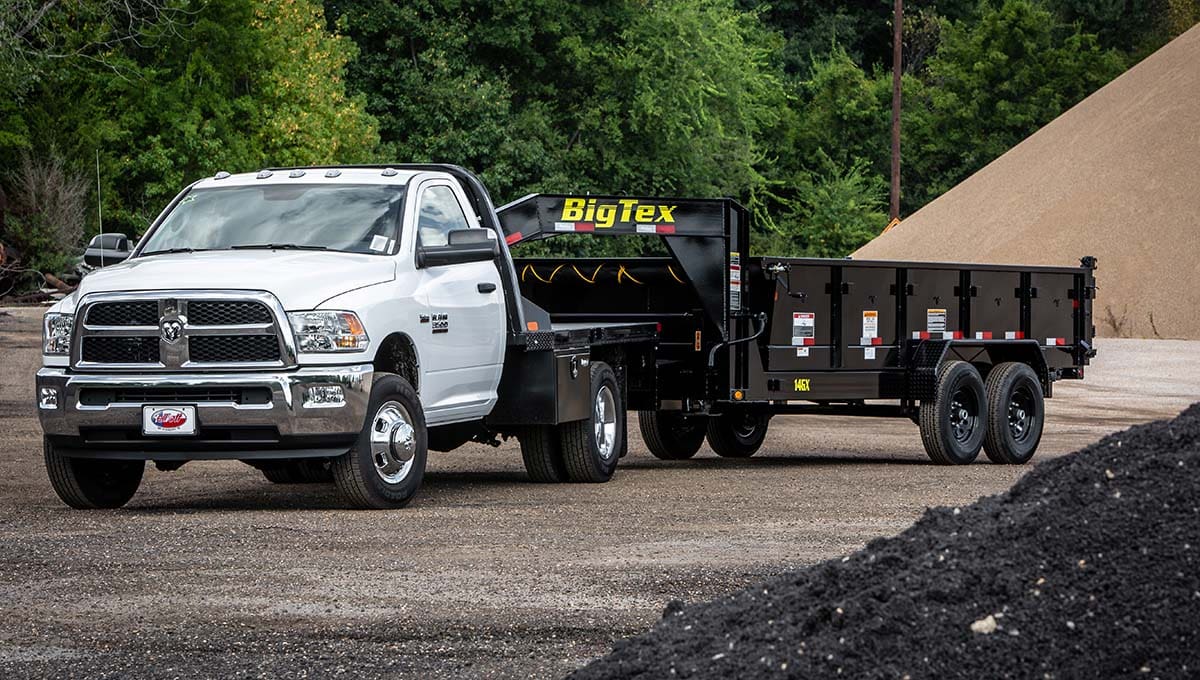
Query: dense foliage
column 783, row 104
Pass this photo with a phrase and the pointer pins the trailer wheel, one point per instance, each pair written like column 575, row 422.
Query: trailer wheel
column 387, row 463
column 591, row 446
column 541, row 449
column 953, row 423
column 737, row 435
column 89, row 484
column 1016, row 412
column 670, row 435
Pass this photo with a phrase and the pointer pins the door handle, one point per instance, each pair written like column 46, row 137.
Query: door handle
column 485, row 287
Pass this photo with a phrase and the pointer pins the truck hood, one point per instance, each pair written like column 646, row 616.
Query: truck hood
column 300, row 279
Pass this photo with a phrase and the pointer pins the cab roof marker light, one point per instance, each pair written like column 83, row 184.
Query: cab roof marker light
column 221, row 175
column 389, row 172
column 263, row 174
column 296, row 173
column 333, row 173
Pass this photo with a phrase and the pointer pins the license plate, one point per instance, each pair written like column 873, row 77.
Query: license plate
column 168, row 420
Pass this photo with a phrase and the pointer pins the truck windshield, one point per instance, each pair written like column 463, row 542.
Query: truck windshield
column 349, row 218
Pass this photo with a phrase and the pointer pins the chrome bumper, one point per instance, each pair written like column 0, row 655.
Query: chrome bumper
column 285, row 412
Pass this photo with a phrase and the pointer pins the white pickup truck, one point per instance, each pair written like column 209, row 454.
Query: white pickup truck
column 322, row 323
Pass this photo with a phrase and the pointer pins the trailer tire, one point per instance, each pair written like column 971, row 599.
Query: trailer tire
column 954, row 422
column 738, row 434
column 1016, row 413
column 387, row 463
column 670, row 435
column 88, row 484
column 591, row 447
column 541, row 449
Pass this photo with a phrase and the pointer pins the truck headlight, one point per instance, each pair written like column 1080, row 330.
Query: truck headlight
column 328, row 332
column 56, row 333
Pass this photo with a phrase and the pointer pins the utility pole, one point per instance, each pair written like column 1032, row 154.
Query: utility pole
column 897, row 43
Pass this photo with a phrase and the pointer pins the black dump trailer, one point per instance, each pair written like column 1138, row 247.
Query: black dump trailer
column 968, row 352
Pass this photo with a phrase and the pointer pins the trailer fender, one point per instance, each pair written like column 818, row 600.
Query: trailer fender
column 927, row 357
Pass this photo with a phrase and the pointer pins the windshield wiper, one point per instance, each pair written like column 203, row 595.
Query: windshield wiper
column 277, row 246
column 169, row 251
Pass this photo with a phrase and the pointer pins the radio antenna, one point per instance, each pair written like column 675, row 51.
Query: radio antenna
column 99, row 208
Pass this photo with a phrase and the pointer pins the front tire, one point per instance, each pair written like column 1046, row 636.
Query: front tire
column 738, row 434
column 591, row 447
column 1016, row 413
column 387, row 463
column 89, row 484
column 954, row 422
column 670, row 435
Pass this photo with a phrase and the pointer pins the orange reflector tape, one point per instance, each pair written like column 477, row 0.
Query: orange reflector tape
column 531, row 325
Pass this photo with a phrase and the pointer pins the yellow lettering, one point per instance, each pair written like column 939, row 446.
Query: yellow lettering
column 590, row 214
column 627, row 205
column 664, row 213
column 645, row 213
column 605, row 215
column 802, row 385
column 572, row 210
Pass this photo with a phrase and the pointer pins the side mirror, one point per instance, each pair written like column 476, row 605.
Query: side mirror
column 106, row 249
column 463, row 245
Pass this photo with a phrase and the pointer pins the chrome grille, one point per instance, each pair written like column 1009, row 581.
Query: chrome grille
column 180, row 330
column 143, row 313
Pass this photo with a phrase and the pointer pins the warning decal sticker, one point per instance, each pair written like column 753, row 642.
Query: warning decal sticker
column 804, row 328
column 735, row 280
column 935, row 320
column 870, row 324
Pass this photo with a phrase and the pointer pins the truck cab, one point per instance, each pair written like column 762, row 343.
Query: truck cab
column 320, row 324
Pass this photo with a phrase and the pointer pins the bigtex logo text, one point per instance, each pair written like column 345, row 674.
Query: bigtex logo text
column 588, row 214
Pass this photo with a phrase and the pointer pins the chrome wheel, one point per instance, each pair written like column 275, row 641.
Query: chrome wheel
column 604, row 422
column 393, row 442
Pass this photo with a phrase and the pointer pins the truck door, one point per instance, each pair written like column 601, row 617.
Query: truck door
column 463, row 326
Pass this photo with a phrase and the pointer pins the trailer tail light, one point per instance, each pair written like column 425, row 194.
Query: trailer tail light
column 738, row 394
column 658, row 327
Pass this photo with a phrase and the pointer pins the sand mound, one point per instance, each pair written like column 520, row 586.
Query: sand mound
column 1117, row 176
column 1088, row 567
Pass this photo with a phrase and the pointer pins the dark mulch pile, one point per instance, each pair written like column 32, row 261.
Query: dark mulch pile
column 1089, row 566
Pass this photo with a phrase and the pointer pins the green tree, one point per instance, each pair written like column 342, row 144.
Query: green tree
column 991, row 84
column 241, row 84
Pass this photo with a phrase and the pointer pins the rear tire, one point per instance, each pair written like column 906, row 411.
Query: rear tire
column 738, row 434
column 591, row 447
column 541, row 449
column 670, row 435
column 387, row 463
column 89, row 484
column 1016, row 413
column 954, row 422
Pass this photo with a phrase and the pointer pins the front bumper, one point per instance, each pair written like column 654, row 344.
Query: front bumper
column 278, row 427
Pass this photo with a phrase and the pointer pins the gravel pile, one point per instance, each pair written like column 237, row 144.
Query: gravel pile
column 1088, row 566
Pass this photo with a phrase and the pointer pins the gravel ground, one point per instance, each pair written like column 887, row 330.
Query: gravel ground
column 212, row 571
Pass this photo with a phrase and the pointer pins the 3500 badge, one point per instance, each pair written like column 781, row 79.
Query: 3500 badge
column 168, row 420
